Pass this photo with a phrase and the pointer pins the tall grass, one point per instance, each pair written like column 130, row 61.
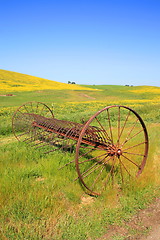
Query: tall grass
column 38, row 201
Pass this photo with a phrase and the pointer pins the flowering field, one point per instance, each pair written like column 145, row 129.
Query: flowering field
column 38, row 201
column 12, row 81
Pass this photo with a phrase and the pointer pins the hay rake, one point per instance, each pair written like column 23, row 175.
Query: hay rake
column 112, row 146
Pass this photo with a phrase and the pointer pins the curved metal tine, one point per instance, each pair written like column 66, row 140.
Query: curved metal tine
column 26, row 139
column 42, row 145
column 72, row 162
column 69, row 132
column 57, row 140
column 37, row 143
column 24, row 116
column 129, row 133
column 19, row 135
column 102, row 137
column 30, row 138
column 53, row 150
column 37, row 140
column 110, row 127
column 20, row 129
column 131, row 161
column 93, row 148
column 103, row 129
column 69, row 144
column 48, row 143
column 85, row 153
column 39, row 134
column 134, row 146
column 66, row 164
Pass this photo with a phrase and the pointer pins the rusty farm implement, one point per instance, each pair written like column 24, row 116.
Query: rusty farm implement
column 111, row 146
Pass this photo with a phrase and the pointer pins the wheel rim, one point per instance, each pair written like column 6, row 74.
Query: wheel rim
column 122, row 151
column 23, row 117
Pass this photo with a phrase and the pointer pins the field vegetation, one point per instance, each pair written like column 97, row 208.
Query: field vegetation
column 38, row 201
column 13, row 81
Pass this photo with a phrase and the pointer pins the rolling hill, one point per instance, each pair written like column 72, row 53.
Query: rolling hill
column 13, row 81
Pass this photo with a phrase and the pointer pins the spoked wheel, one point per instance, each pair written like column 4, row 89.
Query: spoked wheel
column 25, row 115
column 112, row 148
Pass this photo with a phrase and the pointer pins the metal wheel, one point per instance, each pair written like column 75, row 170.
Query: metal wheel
column 112, row 148
column 25, row 115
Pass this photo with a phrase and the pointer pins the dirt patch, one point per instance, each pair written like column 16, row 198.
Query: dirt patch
column 7, row 140
column 86, row 96
column 39, row 91
column 40, row 179
column 144, row 225
column 86, row 200
column 7, row 95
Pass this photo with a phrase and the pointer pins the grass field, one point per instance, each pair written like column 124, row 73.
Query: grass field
column 38, row 201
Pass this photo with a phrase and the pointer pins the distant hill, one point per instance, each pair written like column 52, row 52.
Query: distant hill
column 13, row 81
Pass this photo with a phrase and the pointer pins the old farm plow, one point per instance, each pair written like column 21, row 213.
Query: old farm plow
column 111, row 146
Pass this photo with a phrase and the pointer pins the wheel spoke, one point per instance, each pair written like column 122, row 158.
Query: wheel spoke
column 42, row 110
column 66, row 164
column 118, row 126
column 125, row 167
column 24, row 117
column 134, row 146
column 124, row 124
column 97, row 177
column 26, row 108
column 36, row 108
column 103, row 129
column 131, row 137
column 93, row 148
column 32, row 107
column 91, row 168
column 85, row 153
column 134, row 153
column 121, row 172
column 111, row 170
column 110, row 127
column 88, row 160
column 131, row 161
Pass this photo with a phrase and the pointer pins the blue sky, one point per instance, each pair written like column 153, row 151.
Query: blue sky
column 88, row 42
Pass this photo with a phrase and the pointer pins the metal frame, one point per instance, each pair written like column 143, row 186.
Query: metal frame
column 34, row 122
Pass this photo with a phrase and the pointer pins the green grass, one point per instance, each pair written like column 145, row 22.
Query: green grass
column 38, row 201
